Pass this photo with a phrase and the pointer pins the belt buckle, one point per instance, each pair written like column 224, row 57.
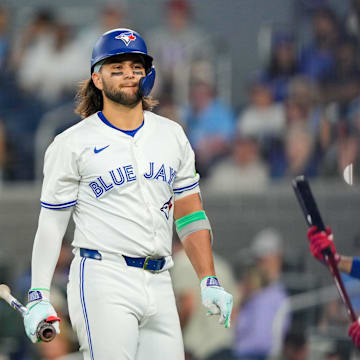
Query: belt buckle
column 146, row 262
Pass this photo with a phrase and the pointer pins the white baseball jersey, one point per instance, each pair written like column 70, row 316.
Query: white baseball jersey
column 122, row 188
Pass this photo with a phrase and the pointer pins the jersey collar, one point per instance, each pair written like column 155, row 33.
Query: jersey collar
column 127, row 132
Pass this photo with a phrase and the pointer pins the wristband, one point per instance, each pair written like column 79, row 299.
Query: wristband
column 209, row 281
column 37, row 295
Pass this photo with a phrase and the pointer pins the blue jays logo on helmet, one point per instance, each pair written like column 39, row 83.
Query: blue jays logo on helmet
column 108, row 45
column 166, row 208
column 126, row 37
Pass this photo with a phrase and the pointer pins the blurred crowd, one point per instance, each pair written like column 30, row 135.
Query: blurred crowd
column 300, row 115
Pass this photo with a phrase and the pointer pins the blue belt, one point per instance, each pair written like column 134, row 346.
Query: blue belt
column 145, row 263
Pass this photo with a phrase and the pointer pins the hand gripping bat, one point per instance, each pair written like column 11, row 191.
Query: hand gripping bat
column 312, row 215
column 45, row 330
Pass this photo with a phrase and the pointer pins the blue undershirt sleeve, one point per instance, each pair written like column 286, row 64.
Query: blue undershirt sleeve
column 355, row 268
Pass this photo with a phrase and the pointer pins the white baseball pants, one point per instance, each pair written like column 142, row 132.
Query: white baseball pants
column 123, row 313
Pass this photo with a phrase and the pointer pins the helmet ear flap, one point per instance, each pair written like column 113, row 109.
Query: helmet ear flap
column 147, row 82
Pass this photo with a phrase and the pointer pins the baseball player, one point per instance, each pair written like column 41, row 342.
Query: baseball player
column 349, row 265
column 125, row 174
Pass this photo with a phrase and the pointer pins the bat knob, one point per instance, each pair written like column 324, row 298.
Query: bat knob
column 46, row 331
column 4, row 290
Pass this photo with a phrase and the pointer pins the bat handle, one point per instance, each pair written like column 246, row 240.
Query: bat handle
column 327, row 252
column 45, row 330
column 332, row 266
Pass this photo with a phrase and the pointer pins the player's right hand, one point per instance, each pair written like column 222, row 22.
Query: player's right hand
column 354, row 332
column 320, row 240
column 39, row 309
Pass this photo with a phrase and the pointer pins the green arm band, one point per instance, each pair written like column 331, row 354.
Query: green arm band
column 188, row 219
column 191, row 223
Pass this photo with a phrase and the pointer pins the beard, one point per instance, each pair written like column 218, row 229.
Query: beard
column 121, row 97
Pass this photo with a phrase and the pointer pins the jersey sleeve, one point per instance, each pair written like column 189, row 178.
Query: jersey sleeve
column 52, row 225
column 186, row 180
column 61, row 176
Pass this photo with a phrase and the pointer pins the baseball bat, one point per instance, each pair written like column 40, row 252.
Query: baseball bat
column 45, row 330
column 312, row 216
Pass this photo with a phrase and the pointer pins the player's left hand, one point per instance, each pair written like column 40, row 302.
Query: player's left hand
column 354, row 332
column 216, row 299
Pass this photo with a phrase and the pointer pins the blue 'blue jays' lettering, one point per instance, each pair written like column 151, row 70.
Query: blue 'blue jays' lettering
column 103, row 184
column 126, row 174
column 98, row 190
column 172, row 175
column 121, row 179
column 151, row 173
column 161, row 173
column 129, row 173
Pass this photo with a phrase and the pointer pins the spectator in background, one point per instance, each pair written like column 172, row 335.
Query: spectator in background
column 262, row 119
column 2, row 152
column 318, row 59
column 209, row 122
column 282, row 65
column 344, row 151
column 306, row 95
column 262, row 321
column 244, row 171
column 176, row 46
column 4, row 39
column 111, row 15
column 167, row 108
column 334, row 355
column 307, row 135
column 353, row 117
column 352, row 20
column 41, row 64
column 295, row 347
column 34, row 37
column 19, row 127
column 301, row 157
column 47, row 71
column 342, row 85
column 302, row 19
column 203, row 337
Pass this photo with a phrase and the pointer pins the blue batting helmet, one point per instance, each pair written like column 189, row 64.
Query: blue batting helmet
column 125, row 41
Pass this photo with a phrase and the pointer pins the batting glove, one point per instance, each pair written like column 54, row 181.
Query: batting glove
column 320, row 240
column 216, row 299
column 39, row 309
column 354, row 332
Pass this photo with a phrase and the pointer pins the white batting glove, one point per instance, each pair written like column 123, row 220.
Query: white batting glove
column 39, row 309
column 216, row 299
